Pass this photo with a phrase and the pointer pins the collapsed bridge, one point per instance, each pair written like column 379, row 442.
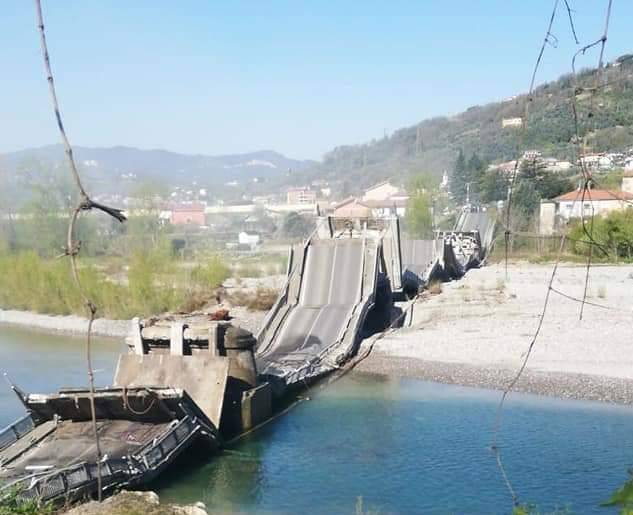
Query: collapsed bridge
column 187, row 381
column 346, row 270
column 334, row 280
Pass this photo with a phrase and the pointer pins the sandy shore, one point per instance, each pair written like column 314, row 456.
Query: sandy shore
column 477, row 331
column 64, row 324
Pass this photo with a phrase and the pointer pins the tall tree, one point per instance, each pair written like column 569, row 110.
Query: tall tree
column 493, row 186
column 476, row 168
column 419, row 216
column 459, row 178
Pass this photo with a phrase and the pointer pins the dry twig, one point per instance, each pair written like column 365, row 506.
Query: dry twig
column 85, row 203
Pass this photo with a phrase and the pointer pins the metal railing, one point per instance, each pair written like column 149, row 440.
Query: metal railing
column 11, row 434
column 82, row 477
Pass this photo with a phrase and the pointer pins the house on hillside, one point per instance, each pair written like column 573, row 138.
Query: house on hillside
column 512, row 122
column 558, row 211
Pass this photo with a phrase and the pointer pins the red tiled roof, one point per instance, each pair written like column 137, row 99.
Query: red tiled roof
column 596, row 195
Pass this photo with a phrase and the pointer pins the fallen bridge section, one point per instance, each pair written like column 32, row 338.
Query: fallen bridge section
column 50, row 454
column 315, row 325
column 420, row 263
column 450, row 254
column 483, row 224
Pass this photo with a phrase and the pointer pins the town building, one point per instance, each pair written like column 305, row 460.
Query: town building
column 301, row 196
column 385, row 199
column 352, row 208
column 596, row 162
column 557, row 212
column 248, row 240
column 387, row 207
column 382, row 199
column 188, row 214
column 512, row 122
column 381, row 191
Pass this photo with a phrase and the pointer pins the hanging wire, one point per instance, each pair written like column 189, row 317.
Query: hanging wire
column 587, row 182
column 587, row 176
column 546, row 40
column 571, row 22
column 506, row 391
column 85, row 203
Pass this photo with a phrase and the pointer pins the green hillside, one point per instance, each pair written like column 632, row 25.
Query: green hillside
column 606, row 118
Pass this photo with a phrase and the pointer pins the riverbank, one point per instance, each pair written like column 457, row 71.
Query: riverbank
column 246, row 288
column 67, row 324
column 126, row 503
column 476, row 333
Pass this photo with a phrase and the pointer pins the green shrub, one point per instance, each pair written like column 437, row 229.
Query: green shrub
column 212, row 274
column 11, row 504
column 154, row 285
column 613, row 233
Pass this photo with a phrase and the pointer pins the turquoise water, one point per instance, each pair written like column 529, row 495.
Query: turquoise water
column 408, row 446
column 403, row 446
column 42, row 363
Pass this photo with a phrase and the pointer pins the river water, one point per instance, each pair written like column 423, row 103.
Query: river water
column 40, row 363
column 396, row 445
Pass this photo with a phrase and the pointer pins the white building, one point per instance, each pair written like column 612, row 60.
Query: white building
column 572, row 205
column 252, row 240
column 596, row 162
column 301, row 196
column 381, row 191
column 385, row 199
column 512, row 122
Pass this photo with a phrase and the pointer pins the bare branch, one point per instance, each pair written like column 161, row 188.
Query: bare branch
column 85, row 203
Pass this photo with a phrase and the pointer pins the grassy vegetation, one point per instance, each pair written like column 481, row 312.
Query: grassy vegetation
column 535, row 250
column 153, row 283
column 613, row 233
column 260, row 265
column 11, row 504
column 262, row 299
column 623, row 497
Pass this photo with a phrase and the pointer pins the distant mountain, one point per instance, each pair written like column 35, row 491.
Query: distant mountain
column 605, row 116
column 114, row 167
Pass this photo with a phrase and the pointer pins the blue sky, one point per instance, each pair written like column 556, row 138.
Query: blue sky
column 218, row 77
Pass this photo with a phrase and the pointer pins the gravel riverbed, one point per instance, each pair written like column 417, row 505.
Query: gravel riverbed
column 477, row 331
